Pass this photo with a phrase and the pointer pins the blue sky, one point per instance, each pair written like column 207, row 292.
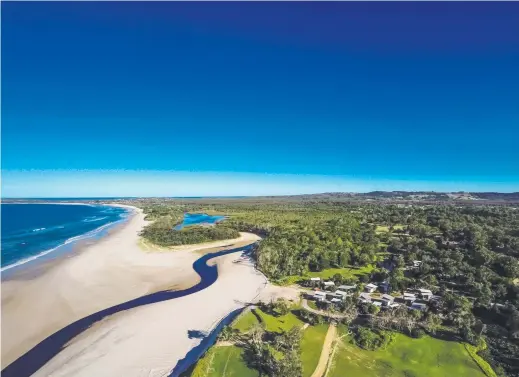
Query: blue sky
column 190, row 99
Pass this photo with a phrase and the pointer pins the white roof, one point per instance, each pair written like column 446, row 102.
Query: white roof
column 342, row 293
column 365, row 296
column 425, row 291
column 377, row 303
column 347, row 287
column 387, row 297
column 320, row 293
column 394, row 305
column 315, row 279
column 371, row 285
column 329, row 283
column 336, row 300
column 406, row 294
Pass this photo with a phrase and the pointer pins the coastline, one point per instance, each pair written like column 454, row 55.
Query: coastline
column 114, row 270
column 61, row 250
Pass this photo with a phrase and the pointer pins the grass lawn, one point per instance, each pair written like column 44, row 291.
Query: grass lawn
column 245, row 321
column 385, row 229
column 347, row 273
column 223, row 362
column 311, row 346
column 405, row 357
column 279, row 324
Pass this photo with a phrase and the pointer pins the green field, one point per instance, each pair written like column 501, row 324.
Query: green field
column 223, row 362
column 346, row 273
column 280, row 323
column 272, row 323
column 245, row 321
column 311, row 346
column 385, row 229
column 227, row 361
column 405, row 357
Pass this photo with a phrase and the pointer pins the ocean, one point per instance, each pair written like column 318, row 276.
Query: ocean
column 31, row 231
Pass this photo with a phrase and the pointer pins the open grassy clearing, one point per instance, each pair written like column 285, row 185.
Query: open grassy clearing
column 405, row 357
column 311, row 346
column 385, row 229
column 271, row 322
column 223, row 362
column 346, row 273
column 245, row 321
column 227, row 361
column 279, row 323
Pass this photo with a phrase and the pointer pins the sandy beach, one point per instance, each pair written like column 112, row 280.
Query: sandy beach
column 148, row 340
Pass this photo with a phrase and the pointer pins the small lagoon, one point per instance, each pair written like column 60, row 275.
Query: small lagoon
column 198, row 219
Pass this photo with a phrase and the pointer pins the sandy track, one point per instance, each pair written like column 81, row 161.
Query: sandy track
column 326, row 351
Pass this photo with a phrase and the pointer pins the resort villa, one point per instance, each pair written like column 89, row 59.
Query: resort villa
column 347, row 288
column 370, row 288
column 364, row 298
column 425, row 294
column 328, row 284
column 387, row 300
column 418, row 306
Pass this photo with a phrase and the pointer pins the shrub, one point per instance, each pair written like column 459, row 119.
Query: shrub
column 372, row 339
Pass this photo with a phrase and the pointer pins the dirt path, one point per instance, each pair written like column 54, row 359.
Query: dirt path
column 325, row 353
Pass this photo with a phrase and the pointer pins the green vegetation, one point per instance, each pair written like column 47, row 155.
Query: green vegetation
column 223, row 362
column 311, row 345
column 279, row 323
column 161, row 233
column 245, row 321
column 350, row 273
column 483, row 365
column 469, row 257
column 406, row 357
column 370, row 339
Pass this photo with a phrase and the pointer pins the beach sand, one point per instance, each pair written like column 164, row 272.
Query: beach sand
column 114, row 270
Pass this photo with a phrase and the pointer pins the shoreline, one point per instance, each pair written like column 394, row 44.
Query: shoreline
column 114, row 270
column 72, row 242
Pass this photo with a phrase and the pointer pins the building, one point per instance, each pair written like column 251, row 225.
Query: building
column 319, row 296
column 376, row 303
column 425, row 294
column 419, row 306
column 336, row 300
column 409, row 297
column 417, row 263
column 370, row 288
column 347, row 288
column 328, row 284
column 364, row 298
column 387, row 300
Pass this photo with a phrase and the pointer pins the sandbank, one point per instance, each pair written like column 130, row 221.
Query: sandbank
column 112, row 271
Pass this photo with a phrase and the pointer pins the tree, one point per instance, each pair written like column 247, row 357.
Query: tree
column 432, row 322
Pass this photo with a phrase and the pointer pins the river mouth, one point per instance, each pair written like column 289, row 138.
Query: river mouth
column 44, row 351
column 199, row 219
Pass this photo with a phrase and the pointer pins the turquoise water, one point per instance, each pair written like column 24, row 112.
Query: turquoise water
column 198, row 219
